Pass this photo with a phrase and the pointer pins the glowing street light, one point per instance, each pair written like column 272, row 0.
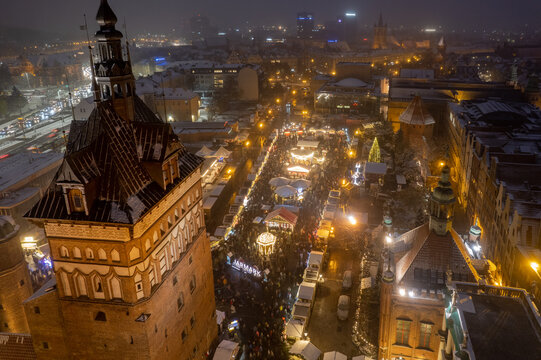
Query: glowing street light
column 352, row 220
column 260, row 125
column 402, row 291
column 388, row 239
column 277, row 100
column 534, row 265
column 442, row 163
column 247, row 143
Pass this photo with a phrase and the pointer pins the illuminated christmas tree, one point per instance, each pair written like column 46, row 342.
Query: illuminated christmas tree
column 374, row 155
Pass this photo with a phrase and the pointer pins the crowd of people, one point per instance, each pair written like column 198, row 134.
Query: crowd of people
column 263, row 305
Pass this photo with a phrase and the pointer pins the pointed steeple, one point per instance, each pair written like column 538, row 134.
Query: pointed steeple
column 114, row 76
column 380, row 22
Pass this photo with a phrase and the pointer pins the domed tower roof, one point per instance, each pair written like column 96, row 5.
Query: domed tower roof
column 105, row 15
column 443, row 193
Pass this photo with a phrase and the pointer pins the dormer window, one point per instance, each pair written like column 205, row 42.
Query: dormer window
column 76, row 200
column 74, row 197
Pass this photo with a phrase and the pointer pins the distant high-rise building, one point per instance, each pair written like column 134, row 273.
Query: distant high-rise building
column 199, row 27
column 351, row 27
column 305, row 25
column 125, row 227
column 15, row 284
column 380, row 34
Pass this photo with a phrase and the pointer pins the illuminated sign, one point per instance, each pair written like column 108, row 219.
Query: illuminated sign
column 351, row 14
column 245, row 268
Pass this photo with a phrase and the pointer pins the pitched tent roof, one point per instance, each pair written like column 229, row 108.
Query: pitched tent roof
column 279, row 181
column 204, row 152
column 222, row 152
column 416, row 113
column 284, row 214
column 435, row 253
column 285, row 191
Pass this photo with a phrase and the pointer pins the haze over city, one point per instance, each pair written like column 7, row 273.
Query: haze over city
column 278, row 180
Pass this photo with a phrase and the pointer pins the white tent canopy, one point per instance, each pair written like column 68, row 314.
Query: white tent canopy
column 285, row 191
column 205, row 152
column 295, row 328
column 222, row 152
column 306, row 291
column 334, row 355
column 301, row 184
column 227, row 350
column 306, row 349
column 279, row 181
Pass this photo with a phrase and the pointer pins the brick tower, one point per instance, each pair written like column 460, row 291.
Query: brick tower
column 124, row 222
column 15, row 285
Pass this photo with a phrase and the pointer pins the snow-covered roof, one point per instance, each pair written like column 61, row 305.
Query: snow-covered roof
column 285, row 191
column 306, row 349
column 350, row 82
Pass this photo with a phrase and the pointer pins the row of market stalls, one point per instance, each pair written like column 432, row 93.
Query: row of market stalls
column 304, row 349
column 306, row 294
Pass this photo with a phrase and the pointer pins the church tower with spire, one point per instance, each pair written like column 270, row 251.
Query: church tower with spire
column 112, row 66
column 380, row 35
column 441, row 205
column 124, row 221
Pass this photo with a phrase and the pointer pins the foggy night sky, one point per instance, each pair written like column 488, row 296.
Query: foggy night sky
column 65, row 16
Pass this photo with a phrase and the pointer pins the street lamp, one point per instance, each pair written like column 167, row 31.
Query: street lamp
column 352, row 220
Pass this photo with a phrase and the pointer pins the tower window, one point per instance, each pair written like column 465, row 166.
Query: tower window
column 118, row 91
column 192, row 284
column 100, row 316
column 45, row 345
column 36, row 310
column 424, row 336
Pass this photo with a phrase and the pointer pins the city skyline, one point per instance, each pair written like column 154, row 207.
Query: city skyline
column 455, row 16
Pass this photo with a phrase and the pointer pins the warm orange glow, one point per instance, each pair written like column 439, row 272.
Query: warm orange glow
column 333, row 73
column 534, row 265
column 247, row 143
column 260, row 125
column 277, row 100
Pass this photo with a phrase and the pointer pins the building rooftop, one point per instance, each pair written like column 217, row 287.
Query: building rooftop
column 493, row 323
column 16, row 347
column 510, row 132
column 16, row 170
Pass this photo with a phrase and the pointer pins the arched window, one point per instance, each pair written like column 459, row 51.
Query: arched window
column 64, row 252
column 155, row 236
column 76, row 253
column 98, row 287
column 89, row 254
column 115, row 256
column 118, row 91
column 139, row 286
column 106, row 91
column 134, row 253
column 147, row 244
column 102, row 255
column 81, row 285
column 116, row 293
column 65, row 284
column 176, row 214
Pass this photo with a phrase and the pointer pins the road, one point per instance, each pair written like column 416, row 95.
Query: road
column 325, row 331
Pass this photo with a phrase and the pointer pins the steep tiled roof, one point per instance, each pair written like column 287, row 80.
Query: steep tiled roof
column 416, row 113
column 16, row 347
column 430, row 251
column 107, row 153
column 284, row 214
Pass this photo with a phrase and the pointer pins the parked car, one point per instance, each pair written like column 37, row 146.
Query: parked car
column 343, row 307
column 347, row 280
